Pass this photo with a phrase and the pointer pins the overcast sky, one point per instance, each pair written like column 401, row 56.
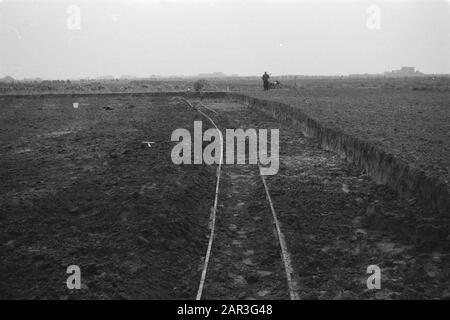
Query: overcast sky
column 41, row 38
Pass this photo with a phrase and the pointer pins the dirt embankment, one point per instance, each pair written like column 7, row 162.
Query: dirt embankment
column 414, row 125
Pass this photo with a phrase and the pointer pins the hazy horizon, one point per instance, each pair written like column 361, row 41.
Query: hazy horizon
column 198, row 76
column 47, row 39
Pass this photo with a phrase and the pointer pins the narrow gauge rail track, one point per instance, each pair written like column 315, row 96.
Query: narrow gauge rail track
column 292, row 285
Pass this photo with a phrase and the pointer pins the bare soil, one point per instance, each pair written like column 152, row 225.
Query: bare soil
column 79, row 187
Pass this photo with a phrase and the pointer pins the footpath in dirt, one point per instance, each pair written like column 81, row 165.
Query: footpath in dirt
column 246, row 260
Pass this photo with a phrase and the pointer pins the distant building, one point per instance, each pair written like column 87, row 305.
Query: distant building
column 127, row 76
column 212, row 75
column 32, row 80
column 109, row 77
column 404, row 72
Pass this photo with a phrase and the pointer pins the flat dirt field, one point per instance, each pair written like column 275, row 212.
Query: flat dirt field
column 80, row 188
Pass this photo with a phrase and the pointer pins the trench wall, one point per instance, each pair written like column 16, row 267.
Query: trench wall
column 383, row 167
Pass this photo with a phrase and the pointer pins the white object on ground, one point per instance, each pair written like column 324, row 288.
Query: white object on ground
column 149, row 143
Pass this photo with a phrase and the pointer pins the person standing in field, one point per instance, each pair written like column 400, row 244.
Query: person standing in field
column 265, row 79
